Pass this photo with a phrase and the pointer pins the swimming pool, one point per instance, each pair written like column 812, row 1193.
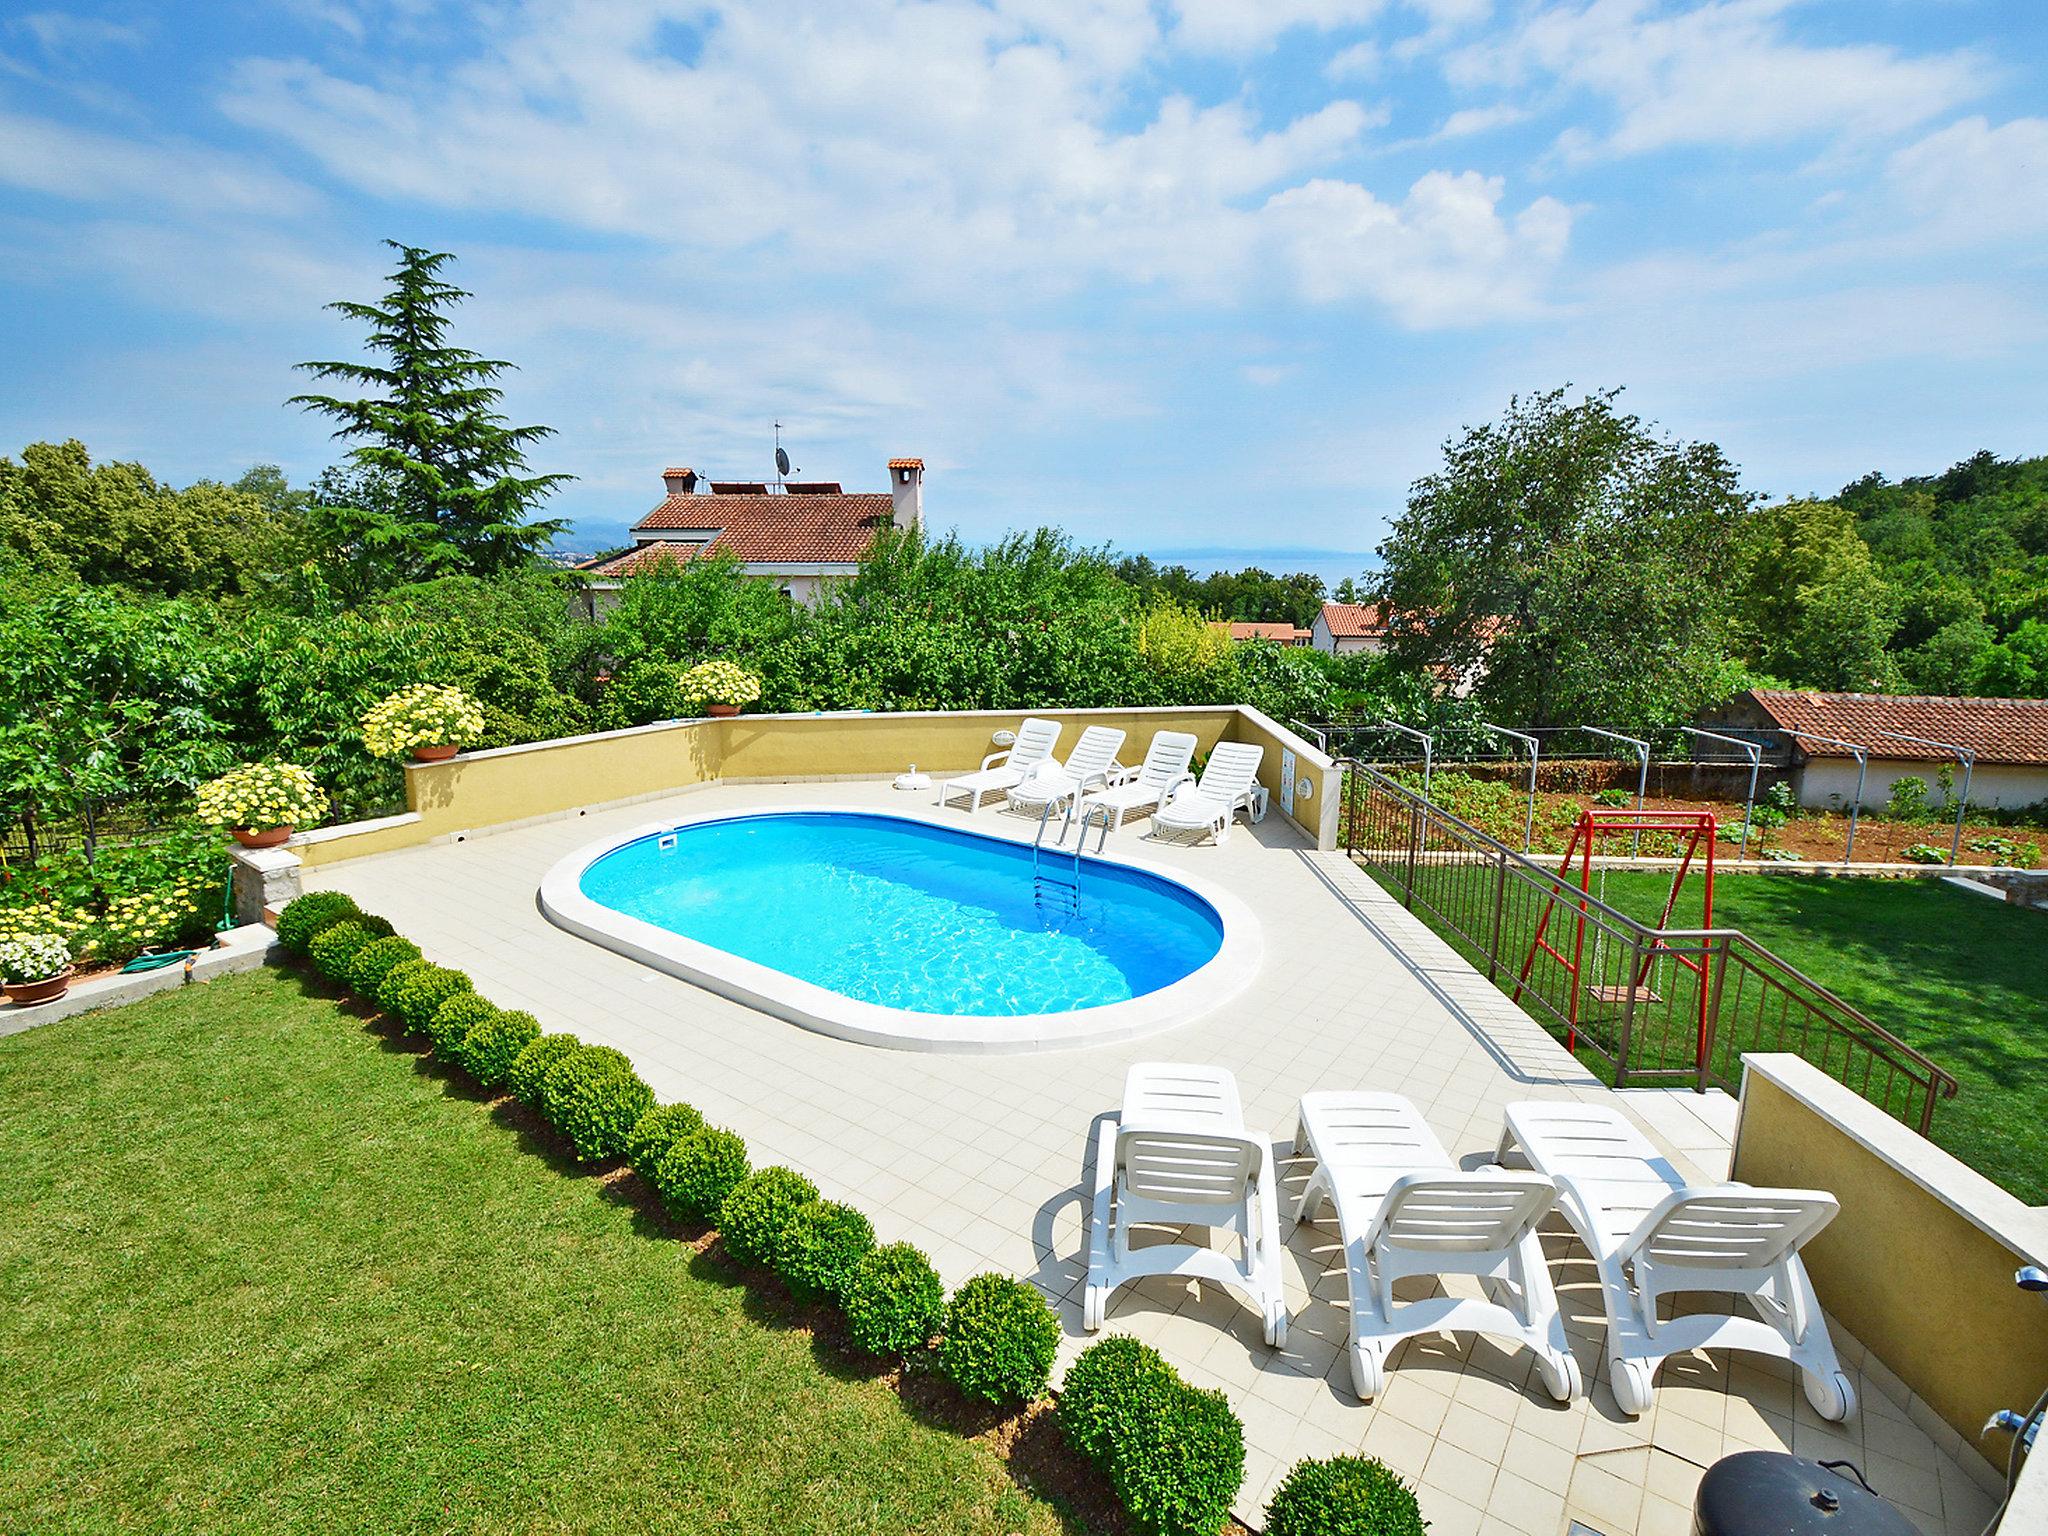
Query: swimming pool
column 901, row 931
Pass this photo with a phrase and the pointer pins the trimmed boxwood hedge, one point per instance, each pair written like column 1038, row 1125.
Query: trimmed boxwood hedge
column 657, row 1132
column 490, row 1047
column 332, row 949
column 531, row 1066
column 700, row 1171
column 821, row 1246
column 306, row 917
column 757, row 1213
column 376, row 960
column 999, row 1340
column 894, row 1302
column 593, row 1096
column 1344, row 1496
column 452, row 1022
column 413, row 992
column 1173, row 1454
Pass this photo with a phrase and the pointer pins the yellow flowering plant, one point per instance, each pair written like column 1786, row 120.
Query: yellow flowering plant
column 719, row 682
column 261, row 795
column 424, row 715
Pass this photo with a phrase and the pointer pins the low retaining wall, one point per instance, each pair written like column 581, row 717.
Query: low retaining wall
column 238, row 949
column 1919, row 1264
column 510, row 786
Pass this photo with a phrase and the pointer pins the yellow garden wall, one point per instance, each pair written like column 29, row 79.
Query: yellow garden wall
column 477, row 790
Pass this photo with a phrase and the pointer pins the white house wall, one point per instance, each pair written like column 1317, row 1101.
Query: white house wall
column 1830, row 783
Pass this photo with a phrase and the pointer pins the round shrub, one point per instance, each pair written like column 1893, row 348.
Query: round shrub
column 490, row 1048
column 332, row 949
column 656, row 1132
column 452, row 1022
column 595, row 1098
column 1110, row 1384
column 1178, row 1467
column 999, row 1340
column 531, row 1066
column 700, row 1171
column 1344, row 1496
column 894, row 1302
column 376, row 960
column 757, row 1212
column 414, row 991
column 305, row 917
column 821, row 1246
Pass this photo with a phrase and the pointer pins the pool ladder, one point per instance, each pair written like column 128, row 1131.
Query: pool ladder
column 1057, row 888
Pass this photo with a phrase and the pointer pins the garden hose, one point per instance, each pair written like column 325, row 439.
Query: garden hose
column 157, row 962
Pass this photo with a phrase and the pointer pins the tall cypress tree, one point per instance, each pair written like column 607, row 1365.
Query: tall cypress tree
column 428, row 428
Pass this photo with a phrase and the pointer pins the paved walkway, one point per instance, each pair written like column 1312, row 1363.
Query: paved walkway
column 979, row 1161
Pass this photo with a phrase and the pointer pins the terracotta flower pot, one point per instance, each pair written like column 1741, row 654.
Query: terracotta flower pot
column 439, row 754
column 721, row 711
column 267, row 837
column 22, row 993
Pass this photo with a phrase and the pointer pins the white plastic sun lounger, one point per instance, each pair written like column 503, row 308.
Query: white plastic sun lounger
column 1179, row 1153
column 1404, row 1208
column 1208, row 806
column 1166, row 764
column 1087, row 767
column 1643, row 1223
column 1001, row 771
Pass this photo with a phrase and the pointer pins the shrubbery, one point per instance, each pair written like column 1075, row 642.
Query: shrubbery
column 999, row 1341
column 1173, row 1454
column 1344, row 1496
column 333, row 949
column 758, row 1211
column 452, row 1022
column 593, row 1096
column 656, row 1132
column 306, row 917
column 821, row 1247
column 894, row 1303
column 530, row 1068
column 700, row 1171
column 368, row 967
column 414, row 991
column 491, row 1047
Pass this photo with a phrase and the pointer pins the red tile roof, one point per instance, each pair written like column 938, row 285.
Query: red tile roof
column 1997, row 730
column 644, row 557
column 1355, row 621
column 906, row 463
column 1286, row 634
column 779, row 530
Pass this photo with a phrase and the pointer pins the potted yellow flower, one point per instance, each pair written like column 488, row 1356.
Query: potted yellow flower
column 719, row 687
column 34, row 968
column 429, row 720
column 261, row 803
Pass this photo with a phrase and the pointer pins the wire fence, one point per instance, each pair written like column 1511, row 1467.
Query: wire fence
column 1645, row 1006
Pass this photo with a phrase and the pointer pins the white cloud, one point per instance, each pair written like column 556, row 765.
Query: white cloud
column 63, row 34
column 1360, row 61
column 1726, row 72
column 1468, row 121
column 1970, row 180
column 82, row 166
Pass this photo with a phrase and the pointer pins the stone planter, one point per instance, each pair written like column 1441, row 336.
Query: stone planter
column 439, row 754
column 266, row 837
column 23, row 993
column 721, row 711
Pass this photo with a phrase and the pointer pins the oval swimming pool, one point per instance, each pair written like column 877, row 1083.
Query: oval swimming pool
column 901, row 931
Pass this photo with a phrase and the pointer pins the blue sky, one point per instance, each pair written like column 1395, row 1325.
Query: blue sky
column 1191, row 275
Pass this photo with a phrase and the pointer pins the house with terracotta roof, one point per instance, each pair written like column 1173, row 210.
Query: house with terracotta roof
column 2008, row 737
column 1344, row 628
column 800, row 534
column 1278, row 634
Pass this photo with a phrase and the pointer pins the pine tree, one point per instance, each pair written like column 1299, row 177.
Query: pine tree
column 429, row 429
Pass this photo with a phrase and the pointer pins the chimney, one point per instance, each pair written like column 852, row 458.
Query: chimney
column 680, row 482
column 906, row 489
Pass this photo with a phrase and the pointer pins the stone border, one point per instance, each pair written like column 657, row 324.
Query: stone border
column 237, row 949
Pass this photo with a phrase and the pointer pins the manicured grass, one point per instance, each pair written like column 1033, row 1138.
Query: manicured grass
column 1960, row 977
column 268, row 1271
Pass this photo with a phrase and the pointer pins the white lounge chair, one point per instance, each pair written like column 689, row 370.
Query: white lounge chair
column 1179, row 1153
column 1166, row 764
column 1087, row 767
column 1206, row 807
column 1651, row 1234
column 1404, row 1208
column 1002, row 771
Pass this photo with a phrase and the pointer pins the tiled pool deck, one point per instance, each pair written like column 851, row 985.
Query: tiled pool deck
column 979, row 1160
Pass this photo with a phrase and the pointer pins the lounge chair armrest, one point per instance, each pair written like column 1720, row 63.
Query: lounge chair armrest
column 993, row 758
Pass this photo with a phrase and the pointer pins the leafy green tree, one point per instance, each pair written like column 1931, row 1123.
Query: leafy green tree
column 446, row 493
column 1809, row 603
column 1573, row 560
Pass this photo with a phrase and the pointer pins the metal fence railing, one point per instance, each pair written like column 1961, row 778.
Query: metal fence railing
column 1653, row 1006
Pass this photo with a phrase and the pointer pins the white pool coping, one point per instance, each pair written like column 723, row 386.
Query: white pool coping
column 1200, row 992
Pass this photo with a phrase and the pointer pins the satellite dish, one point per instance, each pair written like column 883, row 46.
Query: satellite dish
column 782, row 461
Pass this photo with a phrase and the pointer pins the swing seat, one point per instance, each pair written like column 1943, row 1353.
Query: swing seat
column 1604, row 994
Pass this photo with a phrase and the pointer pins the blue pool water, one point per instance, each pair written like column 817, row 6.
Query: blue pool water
column 907, row 915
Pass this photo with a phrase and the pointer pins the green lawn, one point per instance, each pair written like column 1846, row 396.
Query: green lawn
column 267, row 1271
column 1958, row 976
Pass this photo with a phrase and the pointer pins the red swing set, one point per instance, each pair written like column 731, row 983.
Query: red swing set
column 1698, row 828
